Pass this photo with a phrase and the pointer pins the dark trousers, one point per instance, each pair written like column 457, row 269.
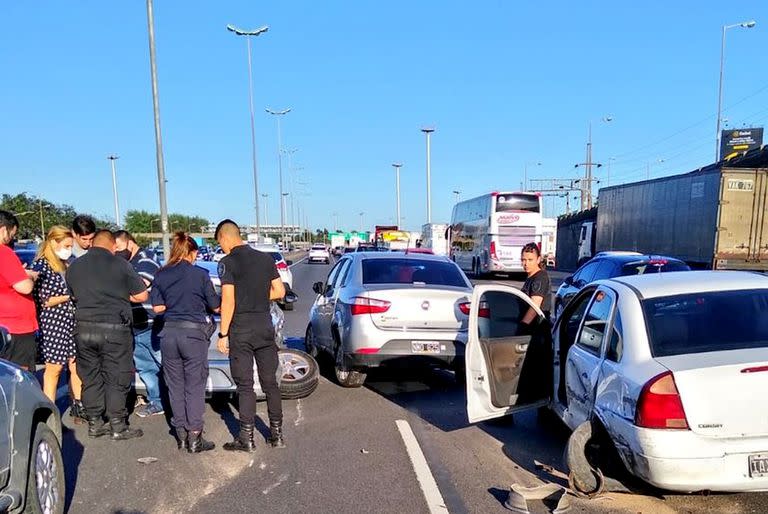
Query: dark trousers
column 185, row 368
column 257, row 343
column 105, row 365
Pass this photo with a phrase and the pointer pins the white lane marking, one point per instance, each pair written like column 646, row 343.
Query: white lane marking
column 297, row 262
column 299, row 414
column 435, row 502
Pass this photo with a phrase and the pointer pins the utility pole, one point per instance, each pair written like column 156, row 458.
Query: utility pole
column 397, row 167
column 265, row 196
column 112, row 158
column 428, row 132
column 456, row 194
column 158, row 134
column 362, row 224
column 559, row 187
column 278, row 115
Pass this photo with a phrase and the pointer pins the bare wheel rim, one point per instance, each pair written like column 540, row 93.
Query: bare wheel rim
column 295, row 367
column 46, row 477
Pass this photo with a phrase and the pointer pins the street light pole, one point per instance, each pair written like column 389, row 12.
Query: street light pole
column 456, row 194
column 284, row 196
column 278, row 115
column 362, row 224
column 747, row 25
column 265, row 196
column 428, row 131
column 397, row 167
column 248, row 34
column 112, row 158
column 158, row 133
column 525, row 174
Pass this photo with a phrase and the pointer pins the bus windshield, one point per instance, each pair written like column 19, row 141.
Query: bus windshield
column 520, row 202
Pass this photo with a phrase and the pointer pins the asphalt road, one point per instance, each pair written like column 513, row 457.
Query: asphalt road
column 346, row 454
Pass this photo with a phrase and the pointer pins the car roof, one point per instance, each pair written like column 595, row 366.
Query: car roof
column 627, row 257
column 399, row 255
column 657, row 285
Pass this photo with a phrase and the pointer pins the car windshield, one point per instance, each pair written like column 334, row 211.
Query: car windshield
column 412, row 271
column 652, row 266
column 707, row 322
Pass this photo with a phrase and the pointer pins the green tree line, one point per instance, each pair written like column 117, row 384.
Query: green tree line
column 37, row 215
column 149, row 222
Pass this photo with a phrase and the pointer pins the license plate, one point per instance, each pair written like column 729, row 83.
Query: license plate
column 758, row 465
column 425, row 347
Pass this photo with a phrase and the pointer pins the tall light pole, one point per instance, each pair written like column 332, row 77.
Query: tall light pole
column 397, row 167
column 284, row 196
column 362, row 224
column 112, row 158
column 525, row 174
column 456, row 194
column 586, row 183
column 428, row 132
column 648, row 168
column 248, row 35
column 278, row 115
column 335, row 221
column 747, row 25
column 291, row 183
column 158, row 133
column 265, row 196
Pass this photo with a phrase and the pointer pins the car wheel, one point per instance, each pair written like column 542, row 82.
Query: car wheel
column 45, row 481
column 287, row 306
column 309, row 343
column 301, row 374
column 344, row 376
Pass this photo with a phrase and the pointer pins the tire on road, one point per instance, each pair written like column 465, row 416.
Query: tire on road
column 301, row 374
column 46, row 487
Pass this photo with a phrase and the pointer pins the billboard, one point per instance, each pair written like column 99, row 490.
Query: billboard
column 738, row 141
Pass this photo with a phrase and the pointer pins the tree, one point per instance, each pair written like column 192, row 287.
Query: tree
column 143, row 222
column 37, row 215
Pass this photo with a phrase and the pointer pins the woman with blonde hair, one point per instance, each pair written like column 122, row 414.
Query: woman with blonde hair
column 56, row 315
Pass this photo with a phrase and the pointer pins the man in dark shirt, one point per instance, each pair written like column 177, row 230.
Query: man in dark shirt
column 103, row 287
column 537, row 285
column 146, row 354
column 249, row 281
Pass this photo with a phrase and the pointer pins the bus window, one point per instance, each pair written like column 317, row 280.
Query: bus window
column 517, row 203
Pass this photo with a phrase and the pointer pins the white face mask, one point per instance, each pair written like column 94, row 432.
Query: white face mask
column 64, row 253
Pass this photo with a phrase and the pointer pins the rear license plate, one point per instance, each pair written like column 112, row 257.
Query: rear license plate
column 758, row 465
column 425, row 347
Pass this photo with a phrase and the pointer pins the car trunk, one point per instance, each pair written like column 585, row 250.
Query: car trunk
column 721, row 391
column 420, row 307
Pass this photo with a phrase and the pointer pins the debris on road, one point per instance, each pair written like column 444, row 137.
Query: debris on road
column 364, row 451
column 147, row 460
column 552, row 496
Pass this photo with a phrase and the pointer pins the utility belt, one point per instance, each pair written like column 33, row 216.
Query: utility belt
column 103, row 326
column 207, row 328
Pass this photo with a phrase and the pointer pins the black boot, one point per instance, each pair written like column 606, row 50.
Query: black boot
column 122, row 432
column 97, row 428
column 181, row 439
column 244, row 441
column 77, row 412
column 276, row 434
column 197, row 444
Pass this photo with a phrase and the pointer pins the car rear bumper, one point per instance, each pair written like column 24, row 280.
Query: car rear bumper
column 504, row 266
column 401, row 352
column 683, row 461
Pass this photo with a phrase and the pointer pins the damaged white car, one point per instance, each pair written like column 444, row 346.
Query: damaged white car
column 670, row 371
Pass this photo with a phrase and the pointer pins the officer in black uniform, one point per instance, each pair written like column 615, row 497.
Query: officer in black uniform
column 103, row 287
column 249, row 281
column 183, row 294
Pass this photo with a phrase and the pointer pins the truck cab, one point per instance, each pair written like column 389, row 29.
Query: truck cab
column 586, row 243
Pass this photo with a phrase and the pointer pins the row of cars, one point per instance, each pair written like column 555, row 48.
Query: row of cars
column 658, row 367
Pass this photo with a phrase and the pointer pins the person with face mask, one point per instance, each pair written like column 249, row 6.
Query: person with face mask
column 17, row 309
column 56, row 316
column 146, row 355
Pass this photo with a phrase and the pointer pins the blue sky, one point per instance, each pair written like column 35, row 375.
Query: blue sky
column 503, row 82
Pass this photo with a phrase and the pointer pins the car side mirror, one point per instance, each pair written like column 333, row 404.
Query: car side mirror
column 289, row 262
column 568, row 280
column 291, row 297
column 5, row 339
column 318, row 287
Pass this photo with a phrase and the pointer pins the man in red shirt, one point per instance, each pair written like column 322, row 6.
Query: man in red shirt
column 17, row 309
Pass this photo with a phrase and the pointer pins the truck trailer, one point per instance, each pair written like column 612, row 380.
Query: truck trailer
column 713, row 218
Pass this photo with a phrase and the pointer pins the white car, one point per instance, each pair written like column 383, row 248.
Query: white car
column 319, row 253
column 669, row 370
column 283, row 266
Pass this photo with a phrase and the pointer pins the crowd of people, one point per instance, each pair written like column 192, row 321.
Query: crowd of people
column 97, row 305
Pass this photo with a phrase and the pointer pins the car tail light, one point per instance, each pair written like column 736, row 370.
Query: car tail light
column 482, row 312
column 282, row 266
column 657, row 262
column 367, row 351
column 362, row 305
column 493, row 251
column 660, row 405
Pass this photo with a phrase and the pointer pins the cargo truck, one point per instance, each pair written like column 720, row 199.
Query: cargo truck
column 713, row 218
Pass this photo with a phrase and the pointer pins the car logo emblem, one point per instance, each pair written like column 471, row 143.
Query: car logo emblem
column 425, row 306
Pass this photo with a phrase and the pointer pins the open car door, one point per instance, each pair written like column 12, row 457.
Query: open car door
column 508, row 364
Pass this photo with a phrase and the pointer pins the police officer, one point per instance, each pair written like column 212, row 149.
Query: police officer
column 103, row 287
column 249, row 281
column 183, row 294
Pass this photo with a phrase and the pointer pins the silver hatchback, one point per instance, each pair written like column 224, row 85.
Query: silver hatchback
column 377, row 309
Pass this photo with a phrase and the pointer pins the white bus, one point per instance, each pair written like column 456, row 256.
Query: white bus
column 487, row 233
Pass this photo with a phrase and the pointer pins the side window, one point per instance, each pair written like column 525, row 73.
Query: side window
column 596, row 322
column 344, row 273
column 332, row 277
column 604, row 270
column 584, row 276
column 616, row 344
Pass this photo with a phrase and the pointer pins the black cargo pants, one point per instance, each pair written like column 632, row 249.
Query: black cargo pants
column 105, row 365
column 256, row 341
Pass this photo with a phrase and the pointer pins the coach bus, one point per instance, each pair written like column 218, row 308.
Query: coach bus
column 487, row 233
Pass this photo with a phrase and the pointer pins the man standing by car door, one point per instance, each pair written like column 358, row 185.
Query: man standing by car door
column 103, row 287
column 249, row 281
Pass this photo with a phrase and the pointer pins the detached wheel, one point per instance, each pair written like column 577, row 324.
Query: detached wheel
column 344, row 376
column 287, row 306
column 45, row 480
column 300, row 374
